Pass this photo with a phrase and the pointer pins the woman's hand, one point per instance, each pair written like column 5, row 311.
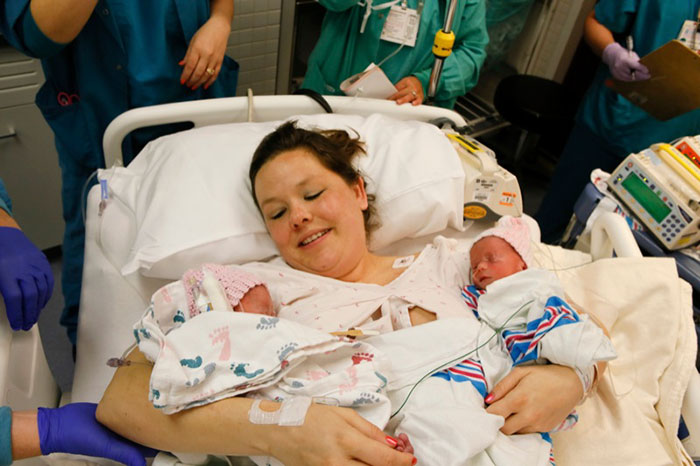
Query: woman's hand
column 202, row 62
column 338, row 436
column 535, row 398
column 409, row 90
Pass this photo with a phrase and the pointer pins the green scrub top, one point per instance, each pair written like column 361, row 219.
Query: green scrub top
column 342, row 50
column 624, row 126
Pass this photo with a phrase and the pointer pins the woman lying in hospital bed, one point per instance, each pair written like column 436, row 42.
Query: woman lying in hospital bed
column 316, row 215
column 291, row 361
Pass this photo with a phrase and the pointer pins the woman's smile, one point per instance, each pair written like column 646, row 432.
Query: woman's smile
column 314, row 238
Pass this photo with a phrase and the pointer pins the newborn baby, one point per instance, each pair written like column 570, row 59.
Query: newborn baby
column 217, row 287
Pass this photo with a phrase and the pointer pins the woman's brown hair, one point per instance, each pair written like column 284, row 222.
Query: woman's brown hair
column 334, row 149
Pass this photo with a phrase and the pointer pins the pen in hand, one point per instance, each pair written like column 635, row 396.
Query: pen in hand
column 630, row 48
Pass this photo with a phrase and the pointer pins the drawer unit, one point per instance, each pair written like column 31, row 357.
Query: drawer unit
column 28, row 159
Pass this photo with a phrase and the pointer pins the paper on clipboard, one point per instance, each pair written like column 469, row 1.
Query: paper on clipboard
column 372, row 83
column 673, row 88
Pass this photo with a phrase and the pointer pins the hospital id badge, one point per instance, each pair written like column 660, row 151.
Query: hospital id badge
column 690, row 35
column 401, row 26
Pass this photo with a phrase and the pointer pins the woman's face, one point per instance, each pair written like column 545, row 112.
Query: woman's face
column 314, row 217
column 492, row 258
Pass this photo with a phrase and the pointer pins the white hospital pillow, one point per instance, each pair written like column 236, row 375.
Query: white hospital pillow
column 191, row 200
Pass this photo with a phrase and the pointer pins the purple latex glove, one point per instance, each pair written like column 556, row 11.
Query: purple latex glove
column 624, row 64
column 73, row 429
column 26, row 281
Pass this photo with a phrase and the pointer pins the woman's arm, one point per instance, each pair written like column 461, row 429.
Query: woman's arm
column 61, row 20
column 329, row 435
column 25, row 435
column 596, row 35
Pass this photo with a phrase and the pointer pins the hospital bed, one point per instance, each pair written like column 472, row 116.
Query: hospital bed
column 145, row 225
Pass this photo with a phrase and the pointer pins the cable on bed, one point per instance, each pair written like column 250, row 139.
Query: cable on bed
column 459, row 358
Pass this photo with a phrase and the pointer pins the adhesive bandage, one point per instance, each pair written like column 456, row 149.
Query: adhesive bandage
column 292, row 412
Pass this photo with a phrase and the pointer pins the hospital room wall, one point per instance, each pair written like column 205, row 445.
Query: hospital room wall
column 254, row 44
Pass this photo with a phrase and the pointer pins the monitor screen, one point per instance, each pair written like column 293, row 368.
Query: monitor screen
column 646, row 197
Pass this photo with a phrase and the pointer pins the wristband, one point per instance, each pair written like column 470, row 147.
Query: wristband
column 5, row 436
column 588, row 378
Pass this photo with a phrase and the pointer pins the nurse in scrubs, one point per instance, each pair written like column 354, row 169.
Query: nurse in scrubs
column 398, row 35
column 609, row 127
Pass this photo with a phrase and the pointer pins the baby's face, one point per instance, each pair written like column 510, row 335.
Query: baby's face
column 493, row 258
column 257, row 301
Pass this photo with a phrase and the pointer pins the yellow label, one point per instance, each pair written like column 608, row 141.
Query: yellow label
column 474, row 212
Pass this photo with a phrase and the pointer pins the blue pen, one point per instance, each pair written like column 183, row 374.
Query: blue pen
column 630, row 47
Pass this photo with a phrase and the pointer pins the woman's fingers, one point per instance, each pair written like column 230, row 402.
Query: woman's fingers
column 409, row 89
column 188, row 63
column 332, row 435
column 535, row 398
column 503, row 387
column 199, row 75
column 205, row 54
column 380, row 452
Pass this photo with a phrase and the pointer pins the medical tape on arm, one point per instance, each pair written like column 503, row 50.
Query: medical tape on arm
column 292, row 412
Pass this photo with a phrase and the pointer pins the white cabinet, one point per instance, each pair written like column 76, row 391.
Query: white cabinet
column 28, row 159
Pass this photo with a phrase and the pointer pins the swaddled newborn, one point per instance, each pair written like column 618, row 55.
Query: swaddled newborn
column 214, row 286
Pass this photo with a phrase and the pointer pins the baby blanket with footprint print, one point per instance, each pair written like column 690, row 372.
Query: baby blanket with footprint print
column 218, row 354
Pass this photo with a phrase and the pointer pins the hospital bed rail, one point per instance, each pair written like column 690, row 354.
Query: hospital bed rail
column 259, row 108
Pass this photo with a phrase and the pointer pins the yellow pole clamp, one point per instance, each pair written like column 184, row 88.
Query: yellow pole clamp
column 442, row 46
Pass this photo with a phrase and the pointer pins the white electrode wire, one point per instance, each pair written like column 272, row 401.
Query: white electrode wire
column 390, row 55
column 448, row 364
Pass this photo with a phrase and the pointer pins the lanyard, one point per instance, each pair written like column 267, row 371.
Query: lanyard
column 369, row 7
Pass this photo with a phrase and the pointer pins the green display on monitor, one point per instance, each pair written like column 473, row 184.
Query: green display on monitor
column 646, row 197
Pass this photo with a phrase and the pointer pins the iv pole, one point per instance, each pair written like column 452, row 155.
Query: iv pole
column 442, row 47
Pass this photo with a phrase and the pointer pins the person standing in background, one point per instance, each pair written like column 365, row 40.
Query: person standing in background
column 355, row 34
column 102, row 58
column 608, row 127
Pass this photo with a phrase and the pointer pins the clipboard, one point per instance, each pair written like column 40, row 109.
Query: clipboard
column 674, row 87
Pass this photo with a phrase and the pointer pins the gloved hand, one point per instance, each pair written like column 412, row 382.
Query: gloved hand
column 73, row 429
column 26, row 281
column 623, row 63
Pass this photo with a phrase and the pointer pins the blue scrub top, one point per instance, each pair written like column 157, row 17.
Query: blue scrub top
column 108, row 71
column 625, row 127
column 5, row 203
